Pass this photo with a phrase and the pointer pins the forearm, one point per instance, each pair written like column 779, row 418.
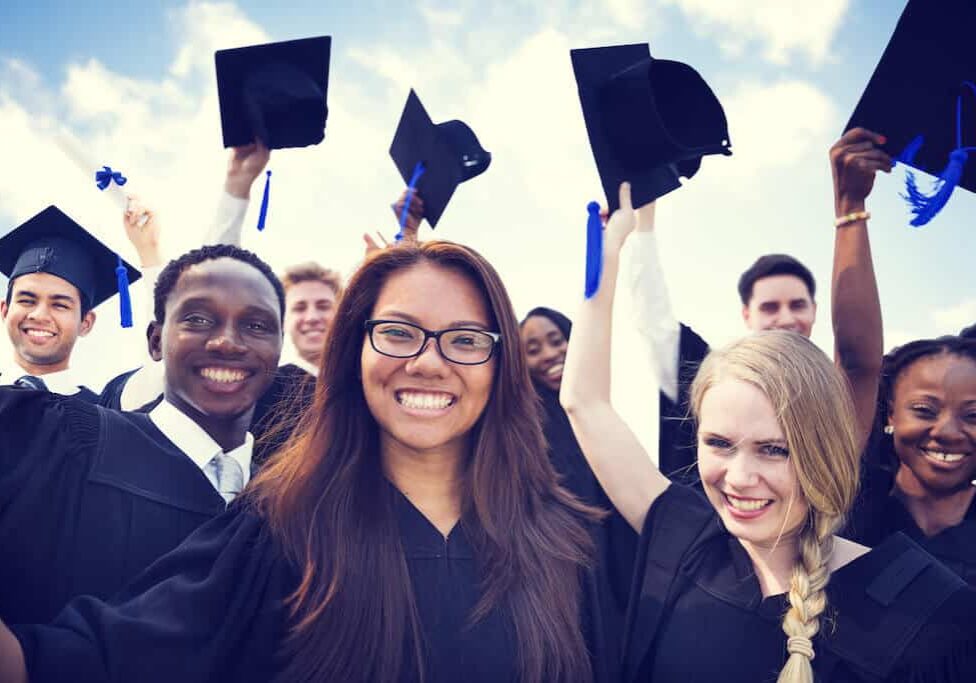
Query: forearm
column 856, row 312
column 13, row 669
column 229, row 222
column 616, row 457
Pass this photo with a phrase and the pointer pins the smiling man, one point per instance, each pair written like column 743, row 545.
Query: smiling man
column 311, row 297
column 89, row 496
column 58, row 273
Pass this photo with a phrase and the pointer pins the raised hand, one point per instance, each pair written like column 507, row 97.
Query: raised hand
column 855, row 159
column 142, row 227
column 621, row 223
column 415, row 214
column 243, row 167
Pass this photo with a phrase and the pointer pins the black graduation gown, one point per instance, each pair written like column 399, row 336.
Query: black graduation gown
column 877, row 514
column 678, row 447
column 276, row 412
column 894, row 614
column 84, row 393
column 88, row 499
column 213, row 610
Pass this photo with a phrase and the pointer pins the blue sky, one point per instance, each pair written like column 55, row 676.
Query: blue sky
column 135, row 84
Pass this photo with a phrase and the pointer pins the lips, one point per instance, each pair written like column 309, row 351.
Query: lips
column 943, row 458
column 746, row 508
column 555, row 370
column 37, row 334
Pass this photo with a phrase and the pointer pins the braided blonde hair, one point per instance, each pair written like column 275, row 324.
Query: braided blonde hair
column 814, row 407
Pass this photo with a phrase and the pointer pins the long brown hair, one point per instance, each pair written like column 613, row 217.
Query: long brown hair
column 322, row 498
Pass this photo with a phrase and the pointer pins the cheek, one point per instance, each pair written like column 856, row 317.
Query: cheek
column 710, row 467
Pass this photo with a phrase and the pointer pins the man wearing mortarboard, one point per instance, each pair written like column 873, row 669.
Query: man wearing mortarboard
column 57, row 274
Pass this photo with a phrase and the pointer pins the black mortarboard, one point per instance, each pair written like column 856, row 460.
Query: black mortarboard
column 449, row 151
column 51, row 242
column 275, row 93
column 649, row 120
column 916, row 86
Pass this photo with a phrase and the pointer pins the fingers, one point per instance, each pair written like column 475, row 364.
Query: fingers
column 861, row 134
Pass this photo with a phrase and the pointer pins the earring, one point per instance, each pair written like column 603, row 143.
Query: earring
column 889, row 430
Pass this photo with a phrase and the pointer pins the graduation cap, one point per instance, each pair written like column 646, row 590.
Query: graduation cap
column 649, row 120
column 51, row 242
column 275, row 93
column 921, row 98
column 434, row 158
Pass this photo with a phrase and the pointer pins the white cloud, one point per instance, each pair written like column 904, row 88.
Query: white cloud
column 782, row 27
column 205, row 27
column 952, row 319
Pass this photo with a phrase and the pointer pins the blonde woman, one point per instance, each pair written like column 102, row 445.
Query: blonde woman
column 749, row 582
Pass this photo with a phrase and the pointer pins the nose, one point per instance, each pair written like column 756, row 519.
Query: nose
column 226, row 341
column 429, row 363
column 39, row 312
column 947, row 429
column 741, row 472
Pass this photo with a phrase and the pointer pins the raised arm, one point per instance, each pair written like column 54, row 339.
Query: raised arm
column 855, row 304
column 243, row 167
column 12, row 666
column 617, row 458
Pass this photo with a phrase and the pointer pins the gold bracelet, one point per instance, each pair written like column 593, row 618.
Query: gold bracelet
column 843, row 221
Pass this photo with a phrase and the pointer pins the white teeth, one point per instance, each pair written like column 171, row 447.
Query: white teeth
column 419, row 401
column 225, row 375
column 39, row 333
column 946, row 457
column 746, row 505
column 555, row 370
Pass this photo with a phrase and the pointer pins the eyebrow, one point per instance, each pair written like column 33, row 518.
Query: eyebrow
column 758, row 442
column 412, row 319
column 210, row 301
column 56, row 297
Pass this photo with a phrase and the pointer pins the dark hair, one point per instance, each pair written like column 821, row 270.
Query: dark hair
column 901, row 357
column 774, row 264
column 171, row 273
column 83, row 300
column 968, row 332
column 355, row 606
column 564, row 324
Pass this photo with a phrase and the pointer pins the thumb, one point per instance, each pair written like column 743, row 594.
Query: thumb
column 625, row 196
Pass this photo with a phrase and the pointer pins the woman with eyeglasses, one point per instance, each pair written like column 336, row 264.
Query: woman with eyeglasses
column 413, row 530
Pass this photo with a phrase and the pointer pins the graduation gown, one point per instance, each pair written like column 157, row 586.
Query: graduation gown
column 678, row 446
column 698, row 614
column 877, row 514
column 88, row 499
column 276, row 412
column 83, row 393
column 214, row 610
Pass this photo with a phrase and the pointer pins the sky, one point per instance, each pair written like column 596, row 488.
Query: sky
column 134, row 84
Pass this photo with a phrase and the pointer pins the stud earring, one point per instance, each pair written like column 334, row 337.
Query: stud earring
column 889, row 429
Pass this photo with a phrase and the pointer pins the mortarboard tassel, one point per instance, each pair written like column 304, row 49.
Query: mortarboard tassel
column 926, row 206
column 105, row 177
column 263, row 215
column 418, row 171
column 125, row 302
column 594, row 250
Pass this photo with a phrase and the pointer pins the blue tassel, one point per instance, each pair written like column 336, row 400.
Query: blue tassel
column 105, row 177
column 125, row 302
column 418, row 171
column 594, row 250
column 263, row 215
column 926, row 206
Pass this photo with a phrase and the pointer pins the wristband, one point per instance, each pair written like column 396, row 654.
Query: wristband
column 844, row 221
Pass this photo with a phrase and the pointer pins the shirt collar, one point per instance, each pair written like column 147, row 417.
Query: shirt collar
column 63, row 382
column 191, row 438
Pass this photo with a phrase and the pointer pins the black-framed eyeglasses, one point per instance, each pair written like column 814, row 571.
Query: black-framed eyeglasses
column 461, row 345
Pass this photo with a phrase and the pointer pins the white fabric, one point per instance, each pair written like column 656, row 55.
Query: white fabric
column 655, row 320
column 65, row 382
column 229, row 222
column 191, row 438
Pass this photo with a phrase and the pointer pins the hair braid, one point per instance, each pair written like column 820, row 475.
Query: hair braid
column 808, row 598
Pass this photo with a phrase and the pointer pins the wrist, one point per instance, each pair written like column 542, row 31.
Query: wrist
column 238, row 187
column 149, row 257
column 847, row 205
